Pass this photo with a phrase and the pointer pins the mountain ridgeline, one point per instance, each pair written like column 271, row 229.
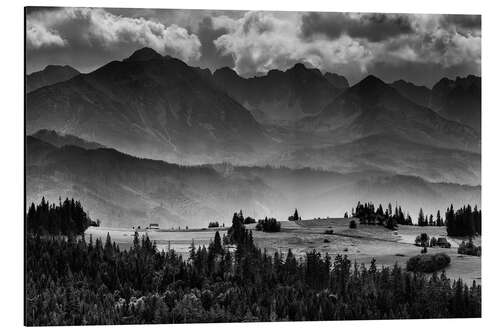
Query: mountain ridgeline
column 51, row 74
column 458, row 99
column 123, row 190
column 282, row 96
column 148, row 105
column 150, row 138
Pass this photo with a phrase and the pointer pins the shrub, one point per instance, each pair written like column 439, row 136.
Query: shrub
column 213, row 224
column 469, row 249
column 352, row 224
column 428, row 263
column 268, row 225
column 328, row 232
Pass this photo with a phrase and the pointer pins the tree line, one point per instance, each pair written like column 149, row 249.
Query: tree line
column 465, row 221
column 67, row 218
column 75, row 281
column 390, row 218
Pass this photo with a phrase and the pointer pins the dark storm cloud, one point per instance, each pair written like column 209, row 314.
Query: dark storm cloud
column 31, row 10
column 373, row 27
column 419, row 48
column 471, row 22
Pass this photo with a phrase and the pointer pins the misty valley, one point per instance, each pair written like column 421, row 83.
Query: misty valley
column 158, row 191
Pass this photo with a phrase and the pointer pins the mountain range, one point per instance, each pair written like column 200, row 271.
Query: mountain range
column 150, row 137
column 51, row 74
column 123, row 190
column 373, row 107
column 148, row 105
column 282, row 96
column 458, row 99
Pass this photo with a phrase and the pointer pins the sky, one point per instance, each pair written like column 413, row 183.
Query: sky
column 420, row 48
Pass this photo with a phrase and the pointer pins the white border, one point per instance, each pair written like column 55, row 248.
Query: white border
column 12, row 194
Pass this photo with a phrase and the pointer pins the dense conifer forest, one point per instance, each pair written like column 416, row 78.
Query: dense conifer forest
column 462, row 222
column 67, row 218
column 73, row 281
column 390, row 218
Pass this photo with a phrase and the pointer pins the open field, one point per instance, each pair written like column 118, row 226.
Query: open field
column 360, row 244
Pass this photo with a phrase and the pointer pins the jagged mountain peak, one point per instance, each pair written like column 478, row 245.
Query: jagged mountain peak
column 60, row 67
column 298, row 66
column 337, row 80
column 370, row 88
column 226, row 72
column 144, row 54
column 301, row 69
column 371, row 81
column 51, row 74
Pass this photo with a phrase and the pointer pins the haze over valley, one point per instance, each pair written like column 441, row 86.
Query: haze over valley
column 151, row 139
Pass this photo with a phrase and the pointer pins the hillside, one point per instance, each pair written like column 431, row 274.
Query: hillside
column 60, row 139
column 123, row 190
column 393, row 154
column 459, row 100
column 282, row 96
column 373, row 107
column 50, row 75
column 148, row 105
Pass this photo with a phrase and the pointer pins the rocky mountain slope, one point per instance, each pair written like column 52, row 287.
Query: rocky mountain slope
column 148, row 105
column 51, row 74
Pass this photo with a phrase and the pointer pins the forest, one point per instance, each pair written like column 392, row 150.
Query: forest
column 462, row 222
column 367, row 214
column 74, row 281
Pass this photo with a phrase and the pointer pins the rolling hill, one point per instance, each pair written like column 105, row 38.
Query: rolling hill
column 122, row 190
column 393, row 154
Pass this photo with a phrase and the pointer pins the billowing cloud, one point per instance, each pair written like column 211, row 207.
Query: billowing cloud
column 97, row 27
column 351, row 44
column 38, row 35
column 261, row 41
column 373, row 27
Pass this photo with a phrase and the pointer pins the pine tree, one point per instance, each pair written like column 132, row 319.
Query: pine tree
column 421, row 218
column 439, row 220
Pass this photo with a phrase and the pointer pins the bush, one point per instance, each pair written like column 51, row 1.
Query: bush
column 268, row 225
column 469, row 249
column 428, row 263
column 213, row 224
column 328, row 232
column 422, row 240
column 352, row 224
